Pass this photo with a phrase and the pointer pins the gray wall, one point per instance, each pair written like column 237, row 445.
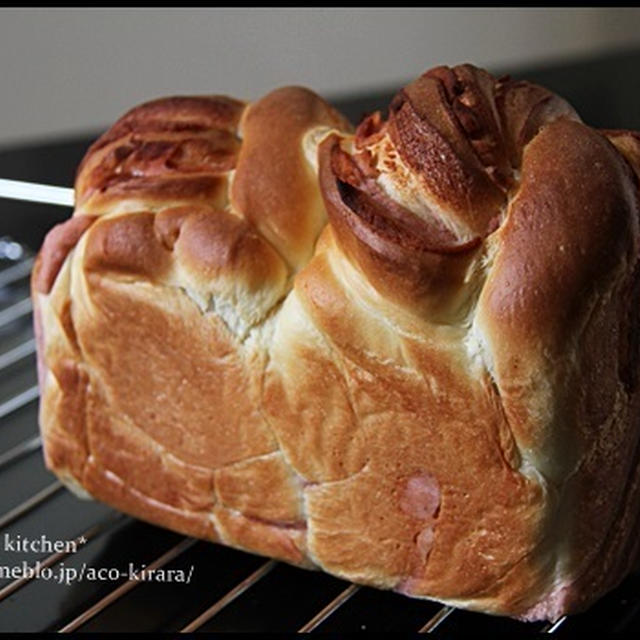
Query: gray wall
column 69, row 70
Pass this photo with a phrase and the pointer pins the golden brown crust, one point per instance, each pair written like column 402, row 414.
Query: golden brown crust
column 385, row 495
column 169, row 150
column 435, row 390
column 178, row 114
column 418, row 263
column 274, row 187
column 558, row 175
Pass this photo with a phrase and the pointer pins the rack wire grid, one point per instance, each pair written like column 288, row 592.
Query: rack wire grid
column 97, row 585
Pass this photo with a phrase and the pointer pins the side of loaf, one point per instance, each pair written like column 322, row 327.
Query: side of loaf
column 406, row 355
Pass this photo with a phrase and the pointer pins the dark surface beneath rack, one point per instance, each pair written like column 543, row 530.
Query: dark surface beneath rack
column 228, row 590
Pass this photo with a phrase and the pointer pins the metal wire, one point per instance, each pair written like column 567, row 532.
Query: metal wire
column 437, row 620
column 16, row 272
column 333, row 606
column 16, row 354
column 229, row 597
column 19, row 401
column 36, row 192
column 15, row 311
column 127, row 586
column 552, row 627
column 22, row 449
column 29, row 504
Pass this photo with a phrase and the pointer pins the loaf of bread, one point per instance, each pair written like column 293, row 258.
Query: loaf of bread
column 406, row 355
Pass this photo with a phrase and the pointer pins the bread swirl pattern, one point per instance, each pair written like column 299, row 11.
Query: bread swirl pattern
column 416, row 369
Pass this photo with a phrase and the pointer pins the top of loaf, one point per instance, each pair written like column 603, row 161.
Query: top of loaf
column 217, row 152
column 165, row 166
